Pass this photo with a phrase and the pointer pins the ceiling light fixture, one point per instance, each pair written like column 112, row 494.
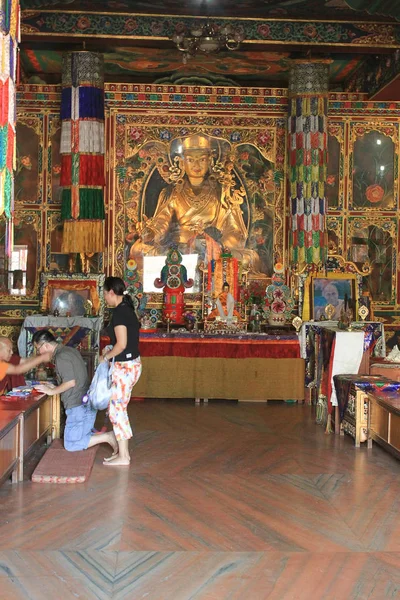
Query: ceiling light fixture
column 207, row 39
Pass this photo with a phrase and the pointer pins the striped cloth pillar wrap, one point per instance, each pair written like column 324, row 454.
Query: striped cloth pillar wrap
column 10, row 37
column 308, row 159
column 82, row 152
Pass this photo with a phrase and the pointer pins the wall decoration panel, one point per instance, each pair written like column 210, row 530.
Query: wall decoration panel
column 19, row 274
column 374, row 238
column 53, row 159
column 242, row 179
column 334, row 225
column 29, row 173
column 335, row 176
column 373, row 166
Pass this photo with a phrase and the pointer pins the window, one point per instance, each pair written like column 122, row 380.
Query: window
column 17, row 271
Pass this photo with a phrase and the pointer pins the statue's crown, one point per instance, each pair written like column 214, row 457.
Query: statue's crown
column 196, row 142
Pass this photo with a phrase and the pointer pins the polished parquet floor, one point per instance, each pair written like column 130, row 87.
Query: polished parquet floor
column 221, row 502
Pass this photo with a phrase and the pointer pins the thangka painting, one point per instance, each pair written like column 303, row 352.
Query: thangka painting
column 208, row 188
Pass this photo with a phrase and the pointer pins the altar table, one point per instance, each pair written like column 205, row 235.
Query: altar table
column 247, row 367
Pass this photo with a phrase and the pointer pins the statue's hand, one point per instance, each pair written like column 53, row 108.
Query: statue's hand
column 197, row 227
column 147, row 234
column 144, row 231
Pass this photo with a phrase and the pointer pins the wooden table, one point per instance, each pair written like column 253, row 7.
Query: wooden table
column 383, row 425
column 39, row 418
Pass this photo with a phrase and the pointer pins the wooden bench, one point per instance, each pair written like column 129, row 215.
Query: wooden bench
column 24, row 424
column 383, row 424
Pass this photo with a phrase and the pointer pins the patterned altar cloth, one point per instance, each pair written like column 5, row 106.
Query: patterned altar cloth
column 374, row 339
column 202, row 345
column 71, row 331
column 368, row 383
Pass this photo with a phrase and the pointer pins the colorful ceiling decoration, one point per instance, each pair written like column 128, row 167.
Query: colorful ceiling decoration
column 336, row 9
column 274, row 31
column 247, row 67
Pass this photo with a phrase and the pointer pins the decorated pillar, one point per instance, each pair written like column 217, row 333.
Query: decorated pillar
column 10, row 36
column 82, row 153
column 308, row 158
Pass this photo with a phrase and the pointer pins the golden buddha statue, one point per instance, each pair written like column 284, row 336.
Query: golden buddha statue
column 198, row 213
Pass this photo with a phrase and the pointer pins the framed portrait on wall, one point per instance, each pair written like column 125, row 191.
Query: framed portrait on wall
column 336, row 289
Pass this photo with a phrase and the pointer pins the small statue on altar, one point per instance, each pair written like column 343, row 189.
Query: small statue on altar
column 225, row 306
column 88, row 306
column 255, row 319
column 173, row 280
column 346, row 314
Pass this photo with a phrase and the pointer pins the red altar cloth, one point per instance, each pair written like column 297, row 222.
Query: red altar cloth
column 267, row 346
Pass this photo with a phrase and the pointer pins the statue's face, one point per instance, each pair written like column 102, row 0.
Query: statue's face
column 196, row 163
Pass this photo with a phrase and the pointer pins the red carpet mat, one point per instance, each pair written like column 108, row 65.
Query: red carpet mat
column 60, row 466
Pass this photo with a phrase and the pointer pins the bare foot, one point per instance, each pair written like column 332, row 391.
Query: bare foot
column 113, row 442
column 112, row 457
column 118, row 461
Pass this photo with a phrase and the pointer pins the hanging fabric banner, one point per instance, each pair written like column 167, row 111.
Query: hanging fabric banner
column 308, row 159
column 82, row 152
column 10, row 37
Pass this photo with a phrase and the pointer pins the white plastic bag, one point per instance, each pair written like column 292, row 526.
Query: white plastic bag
column 99, row 392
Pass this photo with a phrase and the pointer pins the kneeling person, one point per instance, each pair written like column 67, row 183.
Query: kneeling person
column 73, row 383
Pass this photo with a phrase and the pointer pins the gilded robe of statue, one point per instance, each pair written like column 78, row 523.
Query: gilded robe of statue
column 192, row 217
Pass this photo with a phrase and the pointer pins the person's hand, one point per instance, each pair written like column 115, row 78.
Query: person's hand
column 46, row 356
column 45, row 389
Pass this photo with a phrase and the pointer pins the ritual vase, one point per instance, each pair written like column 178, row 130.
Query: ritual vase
column 189, row 325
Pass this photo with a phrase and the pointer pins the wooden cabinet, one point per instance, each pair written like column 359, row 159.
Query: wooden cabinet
column 356, row 415
column 384, row 421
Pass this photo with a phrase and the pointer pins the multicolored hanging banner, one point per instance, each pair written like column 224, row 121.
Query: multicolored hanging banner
column 10, row 37
column 308, row 159
column 82, row 152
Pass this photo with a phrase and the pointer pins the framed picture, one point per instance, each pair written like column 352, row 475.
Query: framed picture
column 336, row 289
column 70, row 295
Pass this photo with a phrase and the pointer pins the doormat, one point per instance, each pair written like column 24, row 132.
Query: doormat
column 60, row 466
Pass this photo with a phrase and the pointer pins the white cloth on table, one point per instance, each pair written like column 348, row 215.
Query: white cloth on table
column 333, row 324
column 348, row 353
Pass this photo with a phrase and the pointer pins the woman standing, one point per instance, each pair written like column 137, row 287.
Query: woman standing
column 124, row 334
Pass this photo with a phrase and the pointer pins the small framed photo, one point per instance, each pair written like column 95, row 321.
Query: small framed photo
column 337, row 290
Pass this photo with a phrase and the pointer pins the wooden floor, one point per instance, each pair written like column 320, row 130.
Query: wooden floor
column 225, row 501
